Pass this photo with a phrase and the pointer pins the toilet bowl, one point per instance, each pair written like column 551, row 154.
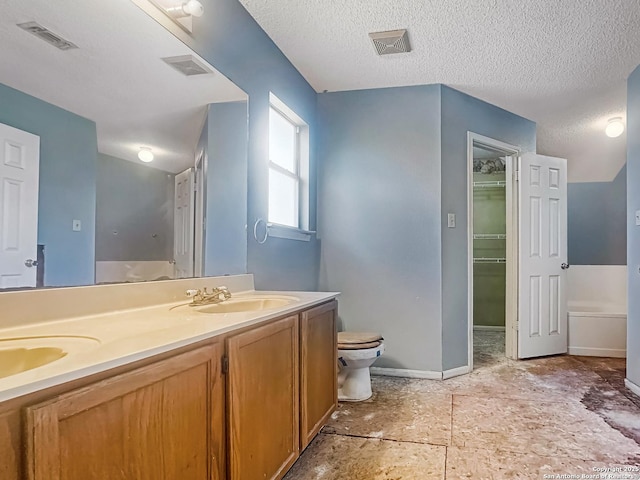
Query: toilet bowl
column 356, row 353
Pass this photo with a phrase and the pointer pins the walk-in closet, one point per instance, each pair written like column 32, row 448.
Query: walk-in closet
column 489, row 255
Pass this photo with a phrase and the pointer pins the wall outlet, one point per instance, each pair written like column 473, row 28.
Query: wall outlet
column 77, row 225
column 637, row 217
column 451, row 220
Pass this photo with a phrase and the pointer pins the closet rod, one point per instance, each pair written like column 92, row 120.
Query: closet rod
column 489, row 260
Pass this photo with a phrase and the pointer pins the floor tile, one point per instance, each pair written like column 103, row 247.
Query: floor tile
column 477, row 464
column 508, row 419
column 339, row 457
column 396, row 411
column 542, row 428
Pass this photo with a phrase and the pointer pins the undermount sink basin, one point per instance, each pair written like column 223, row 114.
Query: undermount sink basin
column 249, row 304
column 17, row 360
column 18, row 355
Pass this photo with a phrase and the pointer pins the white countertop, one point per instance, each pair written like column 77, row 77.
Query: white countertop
column 125, row 336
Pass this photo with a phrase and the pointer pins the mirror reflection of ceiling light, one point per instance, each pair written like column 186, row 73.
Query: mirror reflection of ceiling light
column 145, row 154
column 615, row 127
column 191, row 8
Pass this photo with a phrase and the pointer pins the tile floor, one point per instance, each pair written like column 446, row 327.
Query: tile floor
column 555, row 416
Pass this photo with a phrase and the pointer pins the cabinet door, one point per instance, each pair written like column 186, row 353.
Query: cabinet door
column 318, row 369
column 263, row 401
column 162, row 421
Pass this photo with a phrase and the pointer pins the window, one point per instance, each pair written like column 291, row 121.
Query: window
column 288, row 167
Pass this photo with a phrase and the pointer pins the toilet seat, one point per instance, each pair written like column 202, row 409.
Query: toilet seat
column 357, row 346
column 356, row 338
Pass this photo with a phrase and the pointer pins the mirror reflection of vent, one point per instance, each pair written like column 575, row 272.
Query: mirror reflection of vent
column 393, row 41
column 47, row 35
column 188, row 65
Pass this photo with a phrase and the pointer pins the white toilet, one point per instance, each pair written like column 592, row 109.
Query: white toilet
column 356, row 353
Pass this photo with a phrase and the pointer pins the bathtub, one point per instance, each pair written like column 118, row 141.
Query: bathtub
column 597, row 329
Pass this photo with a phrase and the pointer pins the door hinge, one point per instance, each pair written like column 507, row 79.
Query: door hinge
column 517, row 175
column 225, row 365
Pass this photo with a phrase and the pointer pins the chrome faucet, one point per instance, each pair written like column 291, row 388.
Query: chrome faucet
column 202, row 297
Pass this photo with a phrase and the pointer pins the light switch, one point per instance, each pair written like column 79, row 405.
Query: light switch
column 77, row 225
column 637, row 217
column 451, row 220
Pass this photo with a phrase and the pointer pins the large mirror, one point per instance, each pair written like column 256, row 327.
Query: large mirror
column 122, row 152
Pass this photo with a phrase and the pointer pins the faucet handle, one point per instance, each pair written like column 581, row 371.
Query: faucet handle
column 192, row 293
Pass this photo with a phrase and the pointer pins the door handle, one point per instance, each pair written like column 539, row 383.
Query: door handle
column 31, row 263
column 565, row 266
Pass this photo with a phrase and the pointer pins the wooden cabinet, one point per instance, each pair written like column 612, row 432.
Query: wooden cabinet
column 263, row 400
column 318, row 369
column 174, row 417
column 161, row 421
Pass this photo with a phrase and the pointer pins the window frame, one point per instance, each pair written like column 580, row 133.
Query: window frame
column 294, row 175
column 301, row 175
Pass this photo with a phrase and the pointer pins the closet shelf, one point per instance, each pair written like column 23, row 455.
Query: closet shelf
column 489, row 236
column 489, row 260
column 493, row 184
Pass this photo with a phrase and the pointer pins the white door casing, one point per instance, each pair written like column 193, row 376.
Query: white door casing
column 183, row 247
column 19, row 173
column 542, row 302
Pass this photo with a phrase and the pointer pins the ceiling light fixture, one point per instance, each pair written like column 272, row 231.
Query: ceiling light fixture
column 615, row 127
column 145, row 154
column 191, row 8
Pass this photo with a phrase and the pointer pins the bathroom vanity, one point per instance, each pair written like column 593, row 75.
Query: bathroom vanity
column 237, row 396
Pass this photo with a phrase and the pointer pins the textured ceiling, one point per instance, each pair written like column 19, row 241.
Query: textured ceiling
column 562, row 64
column 116, row 77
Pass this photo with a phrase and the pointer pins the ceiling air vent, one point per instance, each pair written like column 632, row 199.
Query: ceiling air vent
column 47, row 35
column 188, row 65
column 393, row 41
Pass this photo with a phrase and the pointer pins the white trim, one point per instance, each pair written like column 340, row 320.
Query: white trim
column 493, row 328
column 632, row 386
column 401, row 372
column 509, row 151
column 598, row 352
column 455, row 372
column 291, row 233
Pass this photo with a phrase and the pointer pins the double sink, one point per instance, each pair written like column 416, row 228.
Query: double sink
column 20, row 354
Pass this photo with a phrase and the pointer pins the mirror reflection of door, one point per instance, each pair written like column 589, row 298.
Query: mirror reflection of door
column 200, row 192
column 184, row 217
column 19, row 170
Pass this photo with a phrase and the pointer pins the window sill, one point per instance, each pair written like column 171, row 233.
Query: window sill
column 289, row 233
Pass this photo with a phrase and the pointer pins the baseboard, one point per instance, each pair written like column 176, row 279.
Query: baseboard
column 632, row 386
column 455, row 372
column 402, row 372
column 598, row 352
column 495, row 328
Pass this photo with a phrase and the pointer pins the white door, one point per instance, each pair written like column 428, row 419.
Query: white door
column 542, row 297
column 183, row 224
column 199, row 215
column 19, row 169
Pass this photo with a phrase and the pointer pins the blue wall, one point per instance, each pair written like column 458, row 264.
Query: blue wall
column 68, row 156
column 379, row 217
column 254, row 63
column 633, row 231
column 597, row 233
column 226, row 248
column 136, row 201
column 462, row 113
